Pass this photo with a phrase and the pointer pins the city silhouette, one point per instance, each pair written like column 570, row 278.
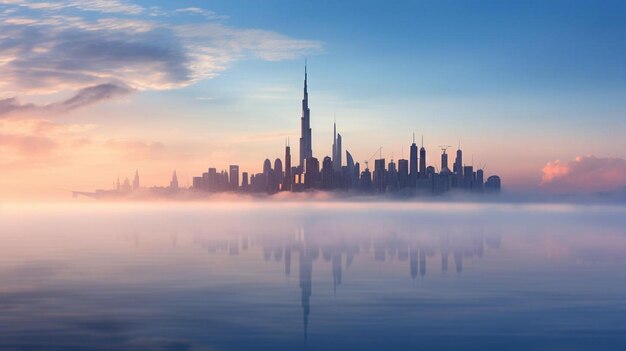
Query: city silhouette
column 411, row 176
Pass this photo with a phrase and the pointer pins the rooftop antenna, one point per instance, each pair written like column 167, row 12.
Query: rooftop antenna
column 459, row 144
column 413, row 137
column 422, row 140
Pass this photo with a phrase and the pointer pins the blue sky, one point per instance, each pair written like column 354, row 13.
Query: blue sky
column 520, row 83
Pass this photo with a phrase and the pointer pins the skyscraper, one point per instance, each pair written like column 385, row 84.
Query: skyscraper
column 327, row 173
column 422, row 160
column 288, row 178
column 379, row 175
column 305, row 126
column 444, row 161
column 413, row 163
column 234, row 177
column 403, row 173
column 136, row 181
column 458, row 162
column 336, row 149
column 351, row 169
column 174, row 182
column 278, row 174
column 312, row 173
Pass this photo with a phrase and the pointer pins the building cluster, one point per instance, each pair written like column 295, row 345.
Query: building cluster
column 409, row 176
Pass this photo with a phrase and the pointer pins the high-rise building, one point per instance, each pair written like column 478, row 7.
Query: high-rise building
column 336, row 149
column 480, row 175
column 136, row 180
column 379, row 175
column 234, row 177
column 306, row 148
column 244, row 181
column 468, row 173
column 412, row 164
column 422, row 160
column 327, row 173
column 278, row 174
column 392, row 176
column 458, row 162
column 174, row 182
column 350, row 182
column 287, row 181
column 312, row 173
column 212, row 179
column 403, row 173
column 366, row 180
column 493, row 184
column 444, row 162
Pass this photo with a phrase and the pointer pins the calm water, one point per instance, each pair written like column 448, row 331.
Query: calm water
column 317, row 276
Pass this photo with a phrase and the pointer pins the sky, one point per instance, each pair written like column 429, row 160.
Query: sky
column 93, row 90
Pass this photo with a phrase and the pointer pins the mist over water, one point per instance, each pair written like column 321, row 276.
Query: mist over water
column 312, row 275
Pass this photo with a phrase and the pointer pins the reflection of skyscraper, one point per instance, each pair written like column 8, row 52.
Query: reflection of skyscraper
column 336, row 271
column 305, row 127
column 422, row 258
column 287, row 260
column 306, row 286
column 458, row 261
column 413, row 262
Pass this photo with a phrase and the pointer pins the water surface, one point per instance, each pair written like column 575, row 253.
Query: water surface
column 314, row 276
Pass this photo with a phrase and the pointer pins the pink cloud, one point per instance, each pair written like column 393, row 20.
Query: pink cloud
column 585, row 174
column 28, row 145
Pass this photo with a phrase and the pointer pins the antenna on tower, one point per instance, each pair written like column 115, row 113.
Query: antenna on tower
column 444, row 148
column 413, row 137
column 422, row 140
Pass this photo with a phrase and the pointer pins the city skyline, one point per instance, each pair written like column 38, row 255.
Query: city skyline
column 524, row 91
column 329, row 175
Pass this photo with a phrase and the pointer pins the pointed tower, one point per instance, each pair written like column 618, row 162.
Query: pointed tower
column 422, row 160
column 136, row 180
column 413, row 164
column 305, row 126
column 174, row 182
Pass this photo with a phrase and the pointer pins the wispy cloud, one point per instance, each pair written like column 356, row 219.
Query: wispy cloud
column 104, row 6
column 57, row 51
column 84, row 97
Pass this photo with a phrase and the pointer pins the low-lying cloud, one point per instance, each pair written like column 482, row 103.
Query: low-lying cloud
column 585, row 174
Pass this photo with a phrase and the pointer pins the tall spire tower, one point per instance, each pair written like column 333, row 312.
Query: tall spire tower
column 305, row 126
column 336, row 148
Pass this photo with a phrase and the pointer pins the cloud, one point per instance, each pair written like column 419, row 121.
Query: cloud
column 585, row 174
column 200, row 12
column 27, row 145
column 54, row 51
column 104, row 6
column 82, row 98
